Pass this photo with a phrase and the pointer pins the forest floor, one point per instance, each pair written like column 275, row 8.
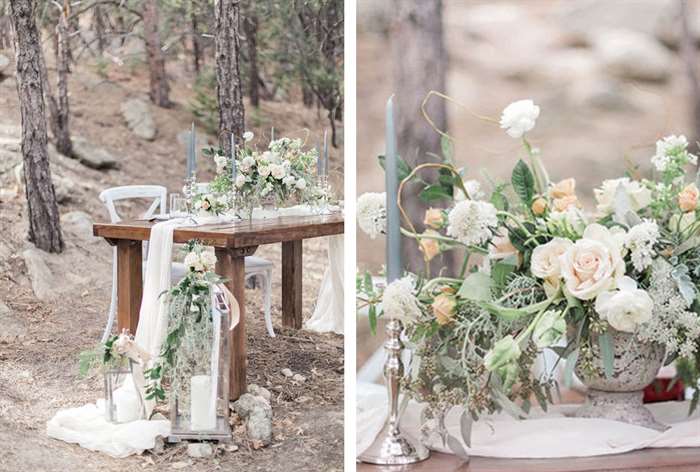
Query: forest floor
column 41, row 340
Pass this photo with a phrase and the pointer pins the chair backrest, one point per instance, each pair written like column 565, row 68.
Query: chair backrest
column 157, row 192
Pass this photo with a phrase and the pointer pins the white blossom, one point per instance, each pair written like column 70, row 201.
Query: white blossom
column 248, row 136
column 399, row 300
column 220, row 162
column 670, row 148
column 626, row 308
column 264, row 171
column 289, row 181
column 371, row 213
column 246, row 164
column 240, row 181
column 638, row 195
column 519, row 117
column 473, row 188
column 472, row 222
column 640, row 241
column 301, row 184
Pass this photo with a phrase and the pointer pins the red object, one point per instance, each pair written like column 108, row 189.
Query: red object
column 658, row 391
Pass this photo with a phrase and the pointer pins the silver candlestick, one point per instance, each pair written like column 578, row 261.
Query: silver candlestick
column 391, row 447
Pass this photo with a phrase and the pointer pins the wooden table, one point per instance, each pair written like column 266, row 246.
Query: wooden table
column 646, row 460
column 232, row 242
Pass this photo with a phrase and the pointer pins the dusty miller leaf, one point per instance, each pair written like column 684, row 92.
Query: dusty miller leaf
column 465, row 427
column 606, row 353
column 477, row 287
column 621, row 205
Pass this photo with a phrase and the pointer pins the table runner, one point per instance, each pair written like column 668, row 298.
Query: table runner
column 543, row 435
column 328, row 314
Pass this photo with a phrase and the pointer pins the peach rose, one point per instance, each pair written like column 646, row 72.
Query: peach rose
column 444, row 308
column 565, row 188
column 539, row 206
column 688, row 198
column 564, row 203
column 430, row 247
column 434, row 218
column 501, row 248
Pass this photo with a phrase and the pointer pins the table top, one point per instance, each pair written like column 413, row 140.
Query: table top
column 647, row 460
column 237, row 234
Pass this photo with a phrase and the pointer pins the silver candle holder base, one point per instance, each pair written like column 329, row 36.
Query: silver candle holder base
column 392, row 447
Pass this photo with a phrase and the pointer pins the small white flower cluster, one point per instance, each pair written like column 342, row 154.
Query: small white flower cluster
column 519, row 117
column 672, row 149
column 472, row 222
column 399, row 300
column 371, row 213
column 640, row 241
column 200, row 261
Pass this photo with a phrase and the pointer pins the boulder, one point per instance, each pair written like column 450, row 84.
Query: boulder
column 199, row 450
column 44, row 284
column 64, row 188
column 631, row 55
column 92, row 156
column 10, row 130
column 79, row 224
column 260, row 391
column 13, row 326
column 4, row 65
column 137, row 114
column 10, row 143
column 256, row 412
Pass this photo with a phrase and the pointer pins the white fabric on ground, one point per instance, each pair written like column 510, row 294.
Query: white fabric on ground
column 544, row 435
column 328, row 314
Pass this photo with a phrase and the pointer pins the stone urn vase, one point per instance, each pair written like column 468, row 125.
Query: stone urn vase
column 619, row 397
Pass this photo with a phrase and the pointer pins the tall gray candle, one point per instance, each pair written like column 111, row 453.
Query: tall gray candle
column 393, row 239
column 233, row 158
column 191, row 154
column 272, row 133
column 319, row 160
column 325, row 152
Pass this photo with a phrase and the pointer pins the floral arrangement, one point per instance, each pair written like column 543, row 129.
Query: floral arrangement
column 540, row 272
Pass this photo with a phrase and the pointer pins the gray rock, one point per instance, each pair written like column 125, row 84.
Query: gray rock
column 92, row 156
column 43, row 281
column 137, row 114
column 4, row 65
column 259, row 391
column 79, row 224
column 200, row 450
column 13, row 327
column 287, row 372
column 64, row 188
column 256, row 412
column 10, row 130
column 299, row 378
column 10, row 143
column 631, row 55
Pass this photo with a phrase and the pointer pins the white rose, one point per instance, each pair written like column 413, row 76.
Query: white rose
column 248, row 136
column 545, row 259
column 208, row 259
column 240, row 181
column 193, row 262
column 301, row 184
column 264, row 170
column 246, row 164
column 639, row 195
column 220, row 162
column 593, row 264
column 626, row 308
column 267, row 156
column 519, row 117
column 289, row 181
column 277, row 171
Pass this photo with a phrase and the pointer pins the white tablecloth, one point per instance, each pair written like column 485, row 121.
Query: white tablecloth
column 328, row 314
column 544, row 435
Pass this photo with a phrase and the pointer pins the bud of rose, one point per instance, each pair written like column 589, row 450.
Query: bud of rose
column 444, row 308
column 565, row 188
column 429, row 247
column 539, row 206
column 434, row 218
column 688, row 198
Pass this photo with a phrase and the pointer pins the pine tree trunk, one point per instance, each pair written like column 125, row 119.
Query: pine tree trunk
column 159, row 91
column 62, row 117
column 44, row 222
column 228, row 77
column 307, row 95
column 250, row 25
column 420, row 63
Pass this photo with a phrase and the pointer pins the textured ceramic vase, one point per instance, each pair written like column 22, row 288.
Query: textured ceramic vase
column 619, row 397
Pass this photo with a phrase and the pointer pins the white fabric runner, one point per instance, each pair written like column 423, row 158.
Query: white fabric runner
column 544, row 435
column 87, row 425
column 328, row 315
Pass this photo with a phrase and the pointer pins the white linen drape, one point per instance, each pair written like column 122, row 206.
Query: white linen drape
column 328, row 314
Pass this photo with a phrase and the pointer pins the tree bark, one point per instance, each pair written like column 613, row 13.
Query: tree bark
column 44, row 222
column 688, row 53
column 250, row 25
column 419, row 65
column 62, row 118
column 159, row 88
column 196, row 49
column 228, row 77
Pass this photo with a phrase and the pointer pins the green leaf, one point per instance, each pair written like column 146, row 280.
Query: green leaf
column 434, row 192
column 403, row 168
column 502, row 269
column 523, row 182
column 372, row 316
column 447, row 148
column 606, row 353
column 477, row 287
column 511, row 314
column 499, row 201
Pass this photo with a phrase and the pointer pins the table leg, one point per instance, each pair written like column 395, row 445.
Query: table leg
column 291, row 283
column 232, row 267
column 129, row 284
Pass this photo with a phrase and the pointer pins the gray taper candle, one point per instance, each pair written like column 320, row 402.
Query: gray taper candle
column 325, row 152
column 393, row 228
column 233, row 158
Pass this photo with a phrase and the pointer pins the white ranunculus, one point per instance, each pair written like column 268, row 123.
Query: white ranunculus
column 301, row 184
column 264, row 171
column 193, row 262
column 208, row 259
column 626, row 308
column 248, row 136
column 220, row 162
column 277, row 171
column 240, row 181
column 594, row 263
column 639, row 196
column 289, row 181
column 545, row 259
column 519, row 117
column 246, row 164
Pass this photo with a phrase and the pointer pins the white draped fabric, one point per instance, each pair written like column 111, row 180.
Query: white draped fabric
column 544, row 435
column 328, row 315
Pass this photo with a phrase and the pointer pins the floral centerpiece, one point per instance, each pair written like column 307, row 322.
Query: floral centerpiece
column 613, row 292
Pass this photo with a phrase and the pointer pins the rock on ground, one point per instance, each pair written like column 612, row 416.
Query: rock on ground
column 13, row 326
column 137, row 114
column 259, row 391
column 632, row 55
column 199, row 450
column 43, row 280
column 256, row 412
column 79, row 224
column 92, row 156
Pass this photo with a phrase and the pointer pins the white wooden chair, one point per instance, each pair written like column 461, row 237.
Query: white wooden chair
column 254, row 266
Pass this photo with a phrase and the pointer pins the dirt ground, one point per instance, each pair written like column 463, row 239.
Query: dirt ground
column 39, row 369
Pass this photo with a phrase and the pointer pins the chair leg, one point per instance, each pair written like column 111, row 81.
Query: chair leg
column 267, row 301
column 113, row 302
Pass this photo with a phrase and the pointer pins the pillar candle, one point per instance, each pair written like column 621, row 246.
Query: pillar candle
column 319, row 160
column 201, row 415
column 193, row 151
column 272, row 133
column 325, row 152
column 393, row 239
column 233, row 158
column 126, row 404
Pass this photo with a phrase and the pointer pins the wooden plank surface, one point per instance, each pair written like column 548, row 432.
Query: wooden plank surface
column 129, row 284
column 292, row 270
column 646, row 460
column 236, row 234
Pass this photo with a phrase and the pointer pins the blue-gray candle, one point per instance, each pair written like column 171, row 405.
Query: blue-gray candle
column 191, row 154
column 393, row 228
column 233, row 158
column 319, row 157
column 272, row 133
column 325, row 152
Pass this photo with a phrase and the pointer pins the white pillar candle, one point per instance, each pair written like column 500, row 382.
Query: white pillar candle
column 201, row 415
column 126, row 404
